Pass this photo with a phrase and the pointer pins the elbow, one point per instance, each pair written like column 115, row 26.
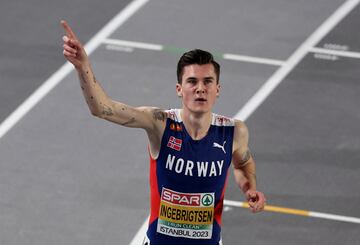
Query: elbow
column 96, row 112
column 100, row 110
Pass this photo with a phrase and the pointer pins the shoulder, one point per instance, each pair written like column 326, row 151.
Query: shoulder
column 240, row 128
column 241, row 135
column 154, row 117
column 171, row 113
column 154, row 112
column 159, row 114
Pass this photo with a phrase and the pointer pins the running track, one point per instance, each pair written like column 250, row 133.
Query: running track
column 68, row 178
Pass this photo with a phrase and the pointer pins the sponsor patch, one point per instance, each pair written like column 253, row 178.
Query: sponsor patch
column 175, row 127
column 188, row 215
column 174, row 143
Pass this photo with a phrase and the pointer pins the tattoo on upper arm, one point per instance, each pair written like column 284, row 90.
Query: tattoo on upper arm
column 159, row 114
column 106, row 110
column 245, row 157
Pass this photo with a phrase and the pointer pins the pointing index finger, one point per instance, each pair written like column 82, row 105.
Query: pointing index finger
column 68, row 30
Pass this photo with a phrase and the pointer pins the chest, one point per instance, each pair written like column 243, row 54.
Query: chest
column 205, row 158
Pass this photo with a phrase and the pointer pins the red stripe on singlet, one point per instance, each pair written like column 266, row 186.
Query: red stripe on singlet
column 154, row 193
column 219, row 206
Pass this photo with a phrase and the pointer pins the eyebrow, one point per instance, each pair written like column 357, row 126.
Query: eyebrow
column 205, row 78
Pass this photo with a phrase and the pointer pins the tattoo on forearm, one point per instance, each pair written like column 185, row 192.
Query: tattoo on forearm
column 106, row 110
column 245, row 157
column 159, row 115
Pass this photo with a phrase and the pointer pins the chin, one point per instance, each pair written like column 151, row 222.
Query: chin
column 199, row 109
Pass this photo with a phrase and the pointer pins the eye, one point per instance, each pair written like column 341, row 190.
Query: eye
column 191, row 81
column 208, row 81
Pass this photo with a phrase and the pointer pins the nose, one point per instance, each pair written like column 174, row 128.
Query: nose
column 200, row 89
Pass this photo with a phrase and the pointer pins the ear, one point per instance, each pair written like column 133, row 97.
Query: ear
column 218, row 88
column 179, row 90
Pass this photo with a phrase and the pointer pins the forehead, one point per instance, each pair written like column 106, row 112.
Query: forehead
column 199, row 71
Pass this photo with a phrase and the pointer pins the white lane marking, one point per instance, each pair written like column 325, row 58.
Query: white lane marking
column 59, row 75
column 251, row 59
column 298, row 212
column 32, row 100
column 132, row 44
column 139, row 237
column 347, row 54
column 269, row 86
column 334, row 217
column 158, row 47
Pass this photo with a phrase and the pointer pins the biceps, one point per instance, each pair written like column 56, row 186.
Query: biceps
column 149, row 118
column 126, row 115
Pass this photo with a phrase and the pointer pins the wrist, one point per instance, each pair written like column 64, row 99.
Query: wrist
column 83, row 66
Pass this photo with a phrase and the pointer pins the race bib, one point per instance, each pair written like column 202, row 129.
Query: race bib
column 188, row 215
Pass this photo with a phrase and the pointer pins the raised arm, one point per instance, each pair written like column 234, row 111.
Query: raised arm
column 99, row 103
column 244, row 168
column 149, row 118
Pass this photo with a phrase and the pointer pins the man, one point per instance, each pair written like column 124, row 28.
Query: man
column 190, row 149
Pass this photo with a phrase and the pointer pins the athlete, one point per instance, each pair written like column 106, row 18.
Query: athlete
column 190, row 148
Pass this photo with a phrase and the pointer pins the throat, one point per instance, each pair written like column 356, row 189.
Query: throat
column 197, row 134
column 197, row 126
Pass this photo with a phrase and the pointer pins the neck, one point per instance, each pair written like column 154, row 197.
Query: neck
column 196, row 124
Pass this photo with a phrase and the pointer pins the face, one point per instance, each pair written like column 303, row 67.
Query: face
column 199, row 88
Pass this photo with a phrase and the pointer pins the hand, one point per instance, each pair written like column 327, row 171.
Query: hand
column 256, row 200
column 73, row 49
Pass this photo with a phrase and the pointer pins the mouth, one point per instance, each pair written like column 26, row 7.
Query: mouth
column 200, row 100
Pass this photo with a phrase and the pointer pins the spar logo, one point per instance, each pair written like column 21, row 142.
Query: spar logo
column 188, row 199
column 207, row 200
column 178, row 198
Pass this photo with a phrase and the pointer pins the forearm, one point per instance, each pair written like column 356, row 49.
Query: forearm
column 245, row 176
column 95, row 96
